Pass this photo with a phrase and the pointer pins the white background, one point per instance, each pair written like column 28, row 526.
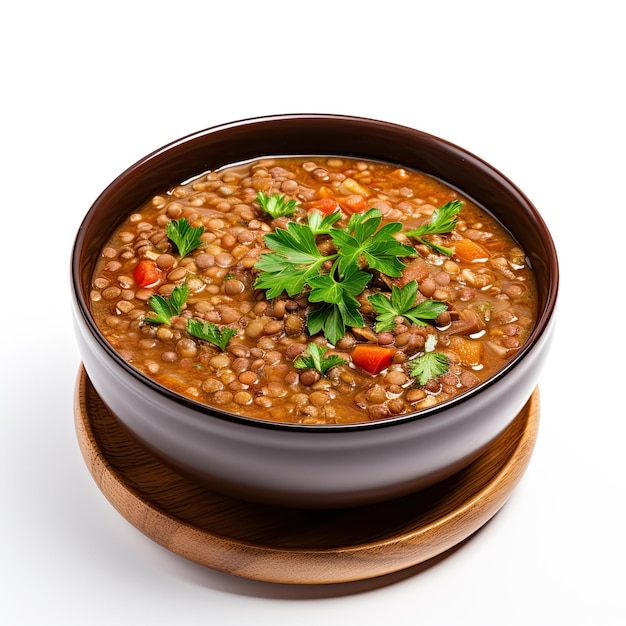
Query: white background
column 534, row 88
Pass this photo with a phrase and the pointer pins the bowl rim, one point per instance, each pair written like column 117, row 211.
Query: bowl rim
column 543, row 322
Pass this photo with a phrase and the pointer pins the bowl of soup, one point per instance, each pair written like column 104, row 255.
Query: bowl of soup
column 314, row 310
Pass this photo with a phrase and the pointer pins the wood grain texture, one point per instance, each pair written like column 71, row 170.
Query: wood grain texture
column 291, row 545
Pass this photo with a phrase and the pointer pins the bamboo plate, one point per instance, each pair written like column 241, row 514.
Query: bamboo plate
column 289, row 545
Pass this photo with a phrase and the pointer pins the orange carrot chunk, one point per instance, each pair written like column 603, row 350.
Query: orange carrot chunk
column 470, row 251
column 352, row 204
column 372, row 358
column 323, row 205
column 469, row 351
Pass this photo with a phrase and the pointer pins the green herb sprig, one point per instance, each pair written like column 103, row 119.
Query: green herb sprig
column 378, row 247
column 296, row 262
column 184, row 236
column 321, row 224
column 276, row 205
column 430, row 364
column 335, row 278
column 443, row 220
column 210, row 332
column 166, row 308
column 402, row 303
column 314, row 357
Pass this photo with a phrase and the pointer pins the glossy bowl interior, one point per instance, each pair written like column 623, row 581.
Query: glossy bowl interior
column 313, row 466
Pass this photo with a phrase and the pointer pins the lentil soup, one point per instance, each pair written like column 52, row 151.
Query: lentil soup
column 314, row 290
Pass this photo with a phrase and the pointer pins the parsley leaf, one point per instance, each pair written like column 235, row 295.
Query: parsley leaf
column 402, row 303
column 210, row 332
column 166, row 308
column 379, row 247
column 294, row 261
column 314, row 357
column 340, row 308
column 185, row 236
column 443, row 220
column 321, row 224
column 429, row 365
column 276, row 205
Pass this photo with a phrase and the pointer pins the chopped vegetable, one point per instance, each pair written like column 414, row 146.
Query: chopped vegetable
column 314, row 357
column 146, row 273
column 210, row 332
column 402, row 303
column 352, row 204
column 469, row 350
column 470, row 251
column 166, row 308
column 443, row 220
column 323, row 205
column 353, row 187
column 276, row 205
column 372, row 358
column 428, row 366
column 184, row 236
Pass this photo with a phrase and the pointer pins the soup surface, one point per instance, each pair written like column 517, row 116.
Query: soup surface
column 314, row 290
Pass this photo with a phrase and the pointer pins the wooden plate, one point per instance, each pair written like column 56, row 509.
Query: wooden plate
column 289, row 545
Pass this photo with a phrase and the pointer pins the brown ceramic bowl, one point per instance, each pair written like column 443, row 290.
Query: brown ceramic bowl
column 313, row 466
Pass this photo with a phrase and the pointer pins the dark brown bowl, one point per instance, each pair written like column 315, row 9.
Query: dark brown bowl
column 313, row 466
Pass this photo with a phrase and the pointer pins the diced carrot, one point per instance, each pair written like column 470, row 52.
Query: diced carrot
column 323, row 205
column 372, row 358
column 146, row 273
column 352, row 204
column 468, row 350
column 325, row 192
column 470, row 251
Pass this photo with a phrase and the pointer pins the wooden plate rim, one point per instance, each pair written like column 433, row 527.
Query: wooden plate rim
column 303, row 565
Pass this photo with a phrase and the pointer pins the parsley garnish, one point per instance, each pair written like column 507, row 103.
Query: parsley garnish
column 335, row 278
column 166, row 308
column 443, row 220
column 402, row 303
column 210, row 332
column 321, row 224
column 185, row 236
column 276, row 205
column 314, row 357
column 429, row 365
column 378, row 247
column 340, row 308
column 295, row 260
